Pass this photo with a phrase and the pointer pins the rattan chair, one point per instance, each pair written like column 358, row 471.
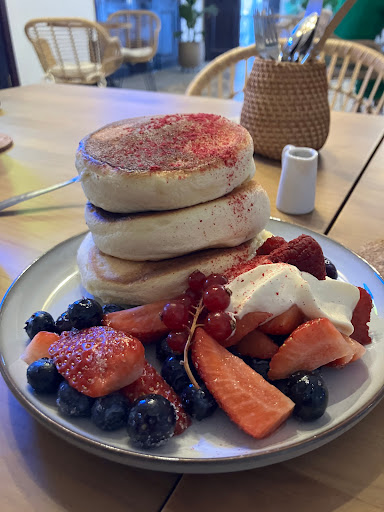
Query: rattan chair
column 355, row 76
column 74, row 50
column 138, row 32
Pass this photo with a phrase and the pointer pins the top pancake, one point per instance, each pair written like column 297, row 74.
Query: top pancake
column 164, row 162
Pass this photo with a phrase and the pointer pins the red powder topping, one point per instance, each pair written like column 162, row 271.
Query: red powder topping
column 245, row 266
column 168, row 142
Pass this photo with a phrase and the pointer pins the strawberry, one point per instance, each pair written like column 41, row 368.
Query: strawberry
column 357, row 351
column 284, row 323
column 98, row 360
column 270, row 245
column 150, row 382
column 38, row 347
column 244, row 325
column 360, row 318
column 251, row 402
column 257, row 344
column 302, row 252
column 143, row 322
column 313, row 344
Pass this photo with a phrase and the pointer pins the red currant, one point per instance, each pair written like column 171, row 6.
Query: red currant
column 216, row 298
column 196, row 281
column 215, row 279
column 185, row 299
column 177, row 340
column 175, row 315
column 219, row 325
column 194, row 296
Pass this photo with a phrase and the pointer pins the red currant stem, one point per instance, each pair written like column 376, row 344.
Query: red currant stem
column 199, row 309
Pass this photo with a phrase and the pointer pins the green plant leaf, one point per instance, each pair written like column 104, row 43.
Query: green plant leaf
column 178, row 34
column 186, row 12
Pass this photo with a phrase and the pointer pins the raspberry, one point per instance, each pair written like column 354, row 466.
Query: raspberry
column 302, row 252
column 270, row 245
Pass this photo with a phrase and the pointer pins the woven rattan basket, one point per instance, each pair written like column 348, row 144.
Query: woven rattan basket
column 286, row 103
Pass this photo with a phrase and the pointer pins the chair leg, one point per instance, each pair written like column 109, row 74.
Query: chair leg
column 149, row 78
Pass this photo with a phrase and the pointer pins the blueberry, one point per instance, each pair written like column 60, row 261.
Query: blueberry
column 112, row 308
column 174, row 373
column 151, row 421
column 85, row 313
column 163, row 350
column 63, row 323
column 73, row 403
column 199, row 403
column 39, row 321
column 43, row 377
column 110, row 412
column 330, row 269
column 309, row 393
column 260, row 366
column 282, row 384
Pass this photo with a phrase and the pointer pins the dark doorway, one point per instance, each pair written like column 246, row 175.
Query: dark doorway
column 8, row 71
column 222, row 31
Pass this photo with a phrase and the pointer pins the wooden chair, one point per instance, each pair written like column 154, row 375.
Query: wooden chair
column 74, row 50
column 355, row 76
column 138, row 32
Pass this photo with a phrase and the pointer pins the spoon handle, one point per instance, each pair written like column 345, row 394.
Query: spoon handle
column 7, row 203
column 348, row 4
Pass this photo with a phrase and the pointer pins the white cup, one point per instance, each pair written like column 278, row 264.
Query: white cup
column 297, row 186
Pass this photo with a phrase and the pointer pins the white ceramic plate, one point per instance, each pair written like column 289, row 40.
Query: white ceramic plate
column 215, row 444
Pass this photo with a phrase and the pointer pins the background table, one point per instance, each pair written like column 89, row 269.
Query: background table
column 40, row 472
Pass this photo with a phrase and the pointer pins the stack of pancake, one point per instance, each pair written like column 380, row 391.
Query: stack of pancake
column 167, row 195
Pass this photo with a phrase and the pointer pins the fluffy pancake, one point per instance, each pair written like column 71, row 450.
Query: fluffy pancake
column 224, row 222
column 131, row 282
column 164, row 162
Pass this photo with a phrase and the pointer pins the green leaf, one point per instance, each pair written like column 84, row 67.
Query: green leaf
column 186, row 12
column 178, row 34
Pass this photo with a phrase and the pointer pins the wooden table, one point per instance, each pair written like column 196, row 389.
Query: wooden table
column 41, row 472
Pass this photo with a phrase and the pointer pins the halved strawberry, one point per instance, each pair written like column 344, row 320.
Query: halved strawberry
column 244, row 325
column 150, row 382
column 98, row 360
column 360, row 318
column 257, row 344
column 284, row 323
column 251, row 402
column 302, row 252
column 357, row 351
column 313, row 344
column 271, row 243
column 143, row 322
column 38, row 347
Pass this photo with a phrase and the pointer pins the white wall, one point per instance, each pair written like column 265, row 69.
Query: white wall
column 21, row 11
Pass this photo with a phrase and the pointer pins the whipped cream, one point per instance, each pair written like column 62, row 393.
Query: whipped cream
column 274, row 288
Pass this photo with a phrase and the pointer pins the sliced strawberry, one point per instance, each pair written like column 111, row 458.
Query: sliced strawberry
column 143, row 322
column 271, row 243
column 245, row 325
column 251, row 402
column 99, row 360
column 150, row 382
column 257, row 344
column 357, row 351
column 284, row 323
column 313, row 344
column 38, row 347
column 302, row 252
column 360, row 318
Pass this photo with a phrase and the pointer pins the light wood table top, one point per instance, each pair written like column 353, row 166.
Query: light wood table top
column 40, row 472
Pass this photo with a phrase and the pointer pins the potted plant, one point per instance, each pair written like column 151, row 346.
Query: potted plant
column 192, row 51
